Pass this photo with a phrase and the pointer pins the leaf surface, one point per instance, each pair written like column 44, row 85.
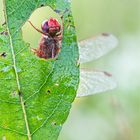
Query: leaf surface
column 35, row 95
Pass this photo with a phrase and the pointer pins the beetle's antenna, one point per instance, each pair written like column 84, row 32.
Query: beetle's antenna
column 38, row 29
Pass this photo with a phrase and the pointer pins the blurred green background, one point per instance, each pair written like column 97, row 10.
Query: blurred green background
column 114, row 115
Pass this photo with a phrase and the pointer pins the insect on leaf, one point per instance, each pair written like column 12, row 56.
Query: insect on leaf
column 36, row 94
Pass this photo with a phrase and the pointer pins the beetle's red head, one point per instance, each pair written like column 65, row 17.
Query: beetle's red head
column 51, row 26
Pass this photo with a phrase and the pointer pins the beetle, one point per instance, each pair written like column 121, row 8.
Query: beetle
column 50, row 42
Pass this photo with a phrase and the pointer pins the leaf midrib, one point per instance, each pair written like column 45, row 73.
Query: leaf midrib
column 16, row 75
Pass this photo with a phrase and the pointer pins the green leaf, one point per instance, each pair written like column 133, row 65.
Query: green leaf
column 35, row 94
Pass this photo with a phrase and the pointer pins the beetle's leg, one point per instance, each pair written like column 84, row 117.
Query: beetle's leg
column 38, row 29
column 59, row 36
column 34, row 50
column 59, row 33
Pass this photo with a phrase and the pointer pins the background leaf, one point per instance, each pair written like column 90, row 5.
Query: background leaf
column 35, row 95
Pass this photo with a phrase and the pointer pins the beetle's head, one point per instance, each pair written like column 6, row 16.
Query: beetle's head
column 51, row 26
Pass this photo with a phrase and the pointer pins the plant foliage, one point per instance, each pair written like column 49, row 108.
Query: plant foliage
column 35, row 94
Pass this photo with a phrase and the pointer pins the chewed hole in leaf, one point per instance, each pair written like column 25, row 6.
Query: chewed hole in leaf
column 36, row 38
column 14, row 94
column 48, row 91
column 54, row 123
column 3, row 54
column 41, row 5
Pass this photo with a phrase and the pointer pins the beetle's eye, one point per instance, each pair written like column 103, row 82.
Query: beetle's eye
column 45, row 27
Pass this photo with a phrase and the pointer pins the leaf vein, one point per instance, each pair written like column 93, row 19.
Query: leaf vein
column 22, row 2
column 2, row 127
column 40, row 86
